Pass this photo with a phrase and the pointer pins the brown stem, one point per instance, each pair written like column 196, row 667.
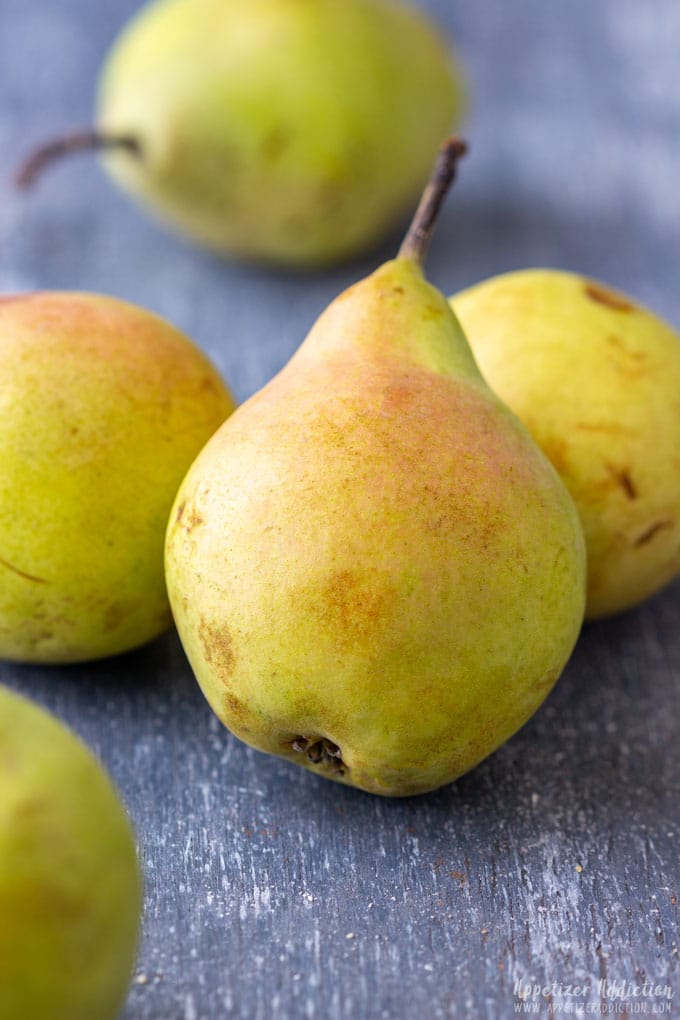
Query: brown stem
column 86, row 140
column 419, row 235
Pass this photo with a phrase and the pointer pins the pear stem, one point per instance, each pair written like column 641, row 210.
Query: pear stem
column 85, row 140
column 417, row 241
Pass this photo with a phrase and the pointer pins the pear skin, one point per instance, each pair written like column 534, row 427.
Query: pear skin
column 70, row 885
column 103, row 407
column 278, row 130
column 595, row 377
column 373, row 569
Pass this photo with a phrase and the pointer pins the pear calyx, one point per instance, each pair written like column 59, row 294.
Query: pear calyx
column 83, row 140
column 321, row 751
column 417, row 241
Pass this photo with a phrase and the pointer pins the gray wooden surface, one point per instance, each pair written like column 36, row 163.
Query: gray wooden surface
column 270, row 893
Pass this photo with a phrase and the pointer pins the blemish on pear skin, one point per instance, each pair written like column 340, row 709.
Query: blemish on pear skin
column 236, row 710
column 32, row 807
column 209, row 385
column 606, row 297
column 349, row 607
column 193, row 520
column 431, row 313
column 653, row 530
column 22, row 573
column 217, row 648
column 617, row 343
column 545, row 683
column 624, row 481
column 113, row 617
column 274, row 144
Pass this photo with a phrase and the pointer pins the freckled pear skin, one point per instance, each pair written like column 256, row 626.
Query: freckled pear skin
column 285, row 131
column 103, row 407
column 70, row 885
column 596, row 380
column 373, row 569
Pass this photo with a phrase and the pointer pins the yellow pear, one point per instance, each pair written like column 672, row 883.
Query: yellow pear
column 70, row 887
column 103, row 407
column 595, row 377
column 289, row 131
column 373, row 569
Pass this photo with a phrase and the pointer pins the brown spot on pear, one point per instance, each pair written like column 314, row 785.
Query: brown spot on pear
column 603, row 296
column 193, row 520
column 651, row 532
column 217, row 648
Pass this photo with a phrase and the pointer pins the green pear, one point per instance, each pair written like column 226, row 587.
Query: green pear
column 374, row 570
column 288, row 131
column 70, row 886
column 596, row 379
column 103, row 407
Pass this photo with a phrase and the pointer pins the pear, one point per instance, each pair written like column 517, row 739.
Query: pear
column 374, row 570
column 70, row 886
column 103, row 407
column 595, row 377
column 288, row 131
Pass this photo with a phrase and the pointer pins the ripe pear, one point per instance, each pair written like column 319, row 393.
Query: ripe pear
column 70, row 886
column 373, row 569
column 103, row 407
column 595, row 377
column 288, row 131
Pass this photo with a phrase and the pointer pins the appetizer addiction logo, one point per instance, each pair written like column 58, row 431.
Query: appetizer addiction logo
column 605, row 997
